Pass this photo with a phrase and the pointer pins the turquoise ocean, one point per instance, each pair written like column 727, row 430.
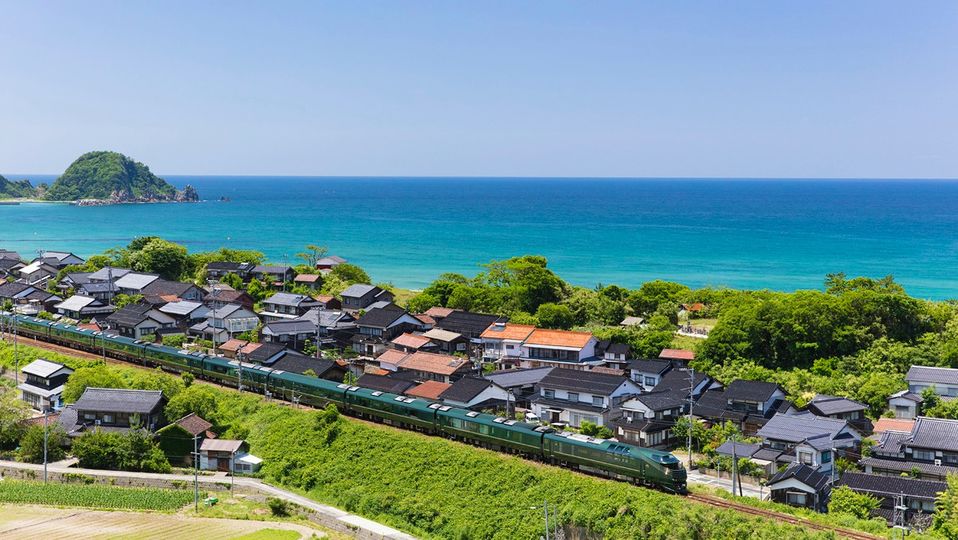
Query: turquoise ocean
column 777, row 234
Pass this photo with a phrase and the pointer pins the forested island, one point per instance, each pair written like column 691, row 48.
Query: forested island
column 101, row 177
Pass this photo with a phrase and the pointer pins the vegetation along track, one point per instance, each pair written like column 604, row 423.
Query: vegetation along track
column 719, row 502
column 699, row 498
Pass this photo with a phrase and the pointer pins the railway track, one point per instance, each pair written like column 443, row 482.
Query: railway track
column 710, row 500
column 719, row 502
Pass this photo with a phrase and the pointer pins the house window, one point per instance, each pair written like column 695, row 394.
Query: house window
column 107, row 418
column 806, row 457
column 598, row 401
column 549, row 393
column 650, row 381
column 826, row 456
column 924, row 455
column 573, row 396
column 796, row 499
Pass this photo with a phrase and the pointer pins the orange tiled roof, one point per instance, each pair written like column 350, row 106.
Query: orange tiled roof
column 443, row 364
column 307, row 278
column 438, row 311
column 894, row 424
column 233, row 345
column 89, row 326
column 677, row 354
column 392, row 356
column 558, row 338
column 249, row 348
column 516, row 332
column 324, row 297
column 412, row 341
column 426, row 319
column 428, row 389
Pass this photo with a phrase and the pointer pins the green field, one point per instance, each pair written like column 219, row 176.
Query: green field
column 93, row 496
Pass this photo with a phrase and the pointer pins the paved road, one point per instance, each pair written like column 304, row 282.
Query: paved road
column 748, row 490
column 334, row 513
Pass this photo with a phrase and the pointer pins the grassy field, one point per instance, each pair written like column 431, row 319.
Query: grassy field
column 93, row 496
column 45, row 522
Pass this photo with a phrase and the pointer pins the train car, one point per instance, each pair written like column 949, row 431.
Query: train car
column 307, row 390
column 403, row 411
column 493, row 432
column 615, row 460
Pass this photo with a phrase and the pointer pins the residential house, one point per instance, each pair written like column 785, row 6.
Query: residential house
column 273, row 274
column 573, row 396
column 470, row 325
column 520, row 383
column 748, row 404
column 905, row 404
column 37, row 273
column 648, row 373
column 378, row 326
column 382, row 383
column 133, row 283
column 647, row 419
column 139, row 320
column 286, row 306
column 218, row 298
column 930, row 449
column 843, row 409
column 329, row 262
column 918, row 495
column 809, row 439
column 60, row 259
column 614, row 355
column 685, row 380
column 176, row 439
column 944, row 381
column 227, row 455
column 108, row 274
column 73, row 280
column 502, row 343
column 174, row 289
column 362, row 295
column 425, row 366
column 802, row 486
column 478, row 394
column 311, row 281
column 295, row 362
column 446, row 341
column 10, row 267
column 83, row 307
column 631, row 321
column 14, row 292
column 219, row 270
column 42, row 386
column 226, row 322
column 437, row 313
column 186, row 312
column 295, row 334
column 336, row 328
column 408, row 342
column 893, row 424
column 680, row 356
column 329, row 302
column 559, row 348
column 769, row 459
column 119, row 409
column 102, row 291
column 260, row 353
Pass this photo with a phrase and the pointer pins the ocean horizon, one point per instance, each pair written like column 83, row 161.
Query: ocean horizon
column 779, row 234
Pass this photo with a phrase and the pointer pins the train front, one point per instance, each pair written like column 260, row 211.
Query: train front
column 675, row 473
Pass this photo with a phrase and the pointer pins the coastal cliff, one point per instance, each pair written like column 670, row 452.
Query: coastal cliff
column 112, row 178
column 16, row 189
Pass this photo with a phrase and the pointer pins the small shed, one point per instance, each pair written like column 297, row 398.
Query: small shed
column 228, row 455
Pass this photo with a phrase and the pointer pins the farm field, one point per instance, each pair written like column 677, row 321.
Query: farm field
column 44, row 522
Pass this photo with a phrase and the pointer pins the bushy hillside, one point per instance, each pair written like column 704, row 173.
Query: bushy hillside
column 111, row 176
column 10, row 189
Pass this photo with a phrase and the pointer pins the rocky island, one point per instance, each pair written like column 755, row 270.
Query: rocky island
column 98, row 178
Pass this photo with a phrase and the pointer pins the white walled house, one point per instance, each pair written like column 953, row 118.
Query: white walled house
column 943, row 380
column 575, row 396
column 905, row 404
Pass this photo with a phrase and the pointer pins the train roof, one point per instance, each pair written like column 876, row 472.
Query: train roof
column 408, row 402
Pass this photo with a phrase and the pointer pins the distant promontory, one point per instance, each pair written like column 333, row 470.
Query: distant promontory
column 102, row 178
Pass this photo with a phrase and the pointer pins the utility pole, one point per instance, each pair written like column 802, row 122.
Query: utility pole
column 735, row 477
column 46, row 414
column 319, row 322
column 196, row 476
column 691, row 403
column 214, row 293
column 899, row 518
column 16, row 348
column 232, row 474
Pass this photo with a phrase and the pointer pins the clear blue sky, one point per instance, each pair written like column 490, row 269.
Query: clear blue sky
column 730, row 89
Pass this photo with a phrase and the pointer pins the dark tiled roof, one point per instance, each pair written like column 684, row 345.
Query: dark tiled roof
column 767, row 454
column 935, row 433
column 829, row 405
column 289, row 327
column 120, row 400
column 162, row 287
column 467, row 322
column 359, row 290
column 804, row 474
column 927, row 374
column 758, row 391
column 381, row 317
column 891, row 486
column 518, row 377
column 264, row 352
column 663, row 400
column 193, row 424
column 799, row 427
column 582, row 381
column 606, row 346
column 295, row 362
column 651, row 366
column 740, row 449
column 130, row 314
column 465, row 389
column 563, row 404
column 384, row 384
column 679, row 378
column 266, row 269
column 9, row 290
column 906, row 466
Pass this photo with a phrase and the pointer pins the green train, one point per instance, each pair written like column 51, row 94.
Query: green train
column 596, row 456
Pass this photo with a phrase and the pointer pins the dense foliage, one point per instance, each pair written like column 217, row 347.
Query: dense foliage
column 946, row 511
column 109, row 175
column 844, row 500
column 93, row 496
column 31, row 444
column 16, row 189
column 134, row 450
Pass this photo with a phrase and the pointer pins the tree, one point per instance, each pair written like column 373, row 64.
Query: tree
column 100, row 376
column 133, row 451
column 422, row 302
column 31, row 445
column 233, row 280
column 122, row 300
column 844, row 500
column 593, row 430
column 13, row 411
column 350, row 378
column 161, row 257
column 946, row 510
column 198, row 399
column 552, row 315
column 350, row 273
column 647, row 299
column 312, row 254
column 257, row 291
